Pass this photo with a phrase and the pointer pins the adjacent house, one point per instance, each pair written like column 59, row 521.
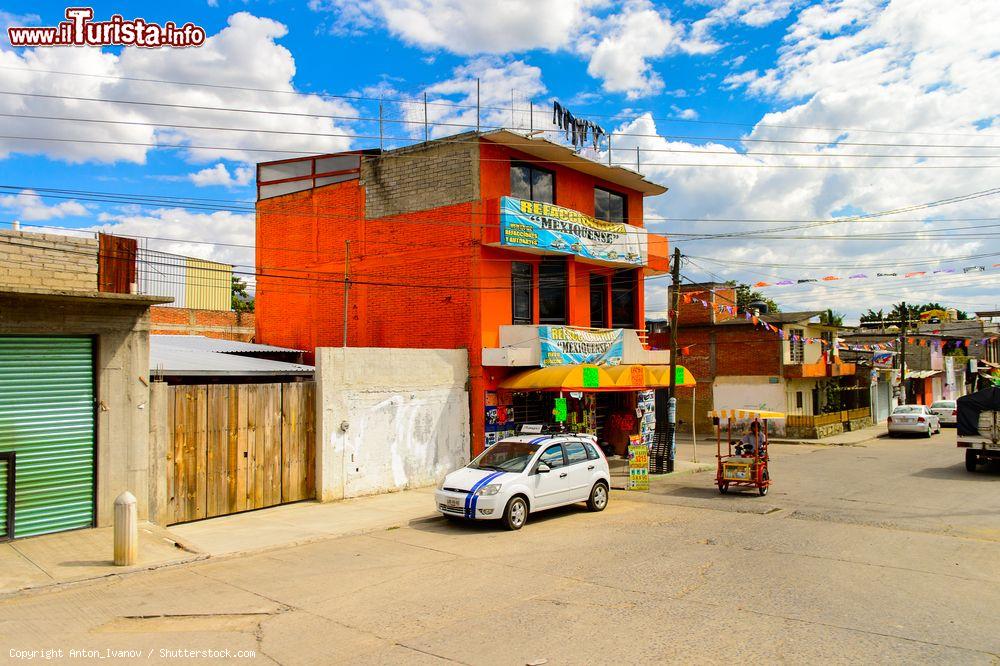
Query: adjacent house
column 739, row 364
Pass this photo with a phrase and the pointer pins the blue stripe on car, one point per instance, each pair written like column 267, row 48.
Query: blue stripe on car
column 470, row 499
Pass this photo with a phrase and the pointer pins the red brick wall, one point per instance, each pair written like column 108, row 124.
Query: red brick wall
column 224, row 325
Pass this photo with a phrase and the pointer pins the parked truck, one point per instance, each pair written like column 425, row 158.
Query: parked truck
column 979, row 426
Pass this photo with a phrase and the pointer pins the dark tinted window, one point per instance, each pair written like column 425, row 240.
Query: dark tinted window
column 575, row 452
column 530, row 182
column 598, row 301
column 521, row 290
column 552, row 284
column 609, row 206
column 553, row 456
column 623, row 292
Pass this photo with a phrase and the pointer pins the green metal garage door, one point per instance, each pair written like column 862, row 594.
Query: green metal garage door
column 4, row 471
column 47, row 421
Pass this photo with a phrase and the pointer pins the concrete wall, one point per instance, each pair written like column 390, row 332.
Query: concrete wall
column 122, row 369
column 751, row 393
column 406, row 413
column 421, row 177
column 47, row 261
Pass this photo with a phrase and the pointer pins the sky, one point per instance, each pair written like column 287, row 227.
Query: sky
column 799, row 140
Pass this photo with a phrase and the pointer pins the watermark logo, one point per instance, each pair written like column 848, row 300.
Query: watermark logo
column 79, row 29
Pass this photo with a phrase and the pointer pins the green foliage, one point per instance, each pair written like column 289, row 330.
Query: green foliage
column 831, row 318
column 241, row 300
column 745, row 295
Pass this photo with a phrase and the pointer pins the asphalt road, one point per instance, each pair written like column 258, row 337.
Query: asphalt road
column 888, row 552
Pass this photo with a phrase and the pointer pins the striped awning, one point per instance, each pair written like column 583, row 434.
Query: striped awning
column 744, row 414
column 591, row 378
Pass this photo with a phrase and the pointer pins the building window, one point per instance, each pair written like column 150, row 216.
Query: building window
column 552, row 287
column 609, row 206
column 522, row 277
column 798, row 400
column 623, row 295
column 797, row 345
column 530, row 182
column 598, row 301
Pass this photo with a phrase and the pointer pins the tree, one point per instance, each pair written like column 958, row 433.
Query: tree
column 745, row 296
column 873, row 317
column 241, row 300
column 831, row 318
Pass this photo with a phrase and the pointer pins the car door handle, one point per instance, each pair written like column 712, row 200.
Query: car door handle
column 590, row 467
column 563, row 475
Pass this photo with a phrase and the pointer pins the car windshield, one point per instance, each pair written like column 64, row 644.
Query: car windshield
column 909, row 409
column 506, row 457
column 944, row 403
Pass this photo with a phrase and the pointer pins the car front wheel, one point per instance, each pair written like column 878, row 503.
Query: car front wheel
column 516, row 513
column 598, row 497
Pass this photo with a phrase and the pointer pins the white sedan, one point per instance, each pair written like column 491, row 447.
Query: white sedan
column 524, row 474
column 913, row 419
column 946, row 410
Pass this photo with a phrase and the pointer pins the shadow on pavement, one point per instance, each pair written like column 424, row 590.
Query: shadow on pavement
column 988, row 472
column 460, row 526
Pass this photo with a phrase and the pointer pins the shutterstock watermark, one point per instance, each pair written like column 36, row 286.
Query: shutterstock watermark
column 79, row 29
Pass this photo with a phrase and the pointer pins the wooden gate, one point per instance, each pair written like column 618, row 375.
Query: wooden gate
column 236, row 447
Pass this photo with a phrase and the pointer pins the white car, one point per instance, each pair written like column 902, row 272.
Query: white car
column 524, row 474
column 947, row 411
column 913, row 419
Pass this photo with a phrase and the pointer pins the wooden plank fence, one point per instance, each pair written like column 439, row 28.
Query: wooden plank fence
column 236, row 447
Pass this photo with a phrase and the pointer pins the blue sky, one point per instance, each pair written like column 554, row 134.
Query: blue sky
column 748, row 78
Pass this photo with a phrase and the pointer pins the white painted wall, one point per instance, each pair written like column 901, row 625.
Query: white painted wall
column 734, row 392
column 407, row 418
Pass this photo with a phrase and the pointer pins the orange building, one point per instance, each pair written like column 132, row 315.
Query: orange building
column 493, row 242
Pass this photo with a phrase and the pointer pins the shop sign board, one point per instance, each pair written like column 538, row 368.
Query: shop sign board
column 638, row 464
column 560, row 411
column 550, row 228
column 563, row 345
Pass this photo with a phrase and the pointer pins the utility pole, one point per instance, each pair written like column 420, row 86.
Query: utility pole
column 426, row 135
column 902, row 354
column 675, row 299
column 347, row 283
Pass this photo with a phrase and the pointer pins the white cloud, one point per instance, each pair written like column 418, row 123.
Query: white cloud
column 27, row 206
column 452, row 102
column 221, row 236
column 463, row 27
column 220, row 175
column 244, row 54
column 684, row 114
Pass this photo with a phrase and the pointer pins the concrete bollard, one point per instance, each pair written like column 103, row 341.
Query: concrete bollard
column 126, row 530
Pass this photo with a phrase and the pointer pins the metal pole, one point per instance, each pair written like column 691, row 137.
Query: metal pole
column 637, row 159
column 902, row 355
column 609, row 148
column 425, row 117
column 380, row 124
column 672, row 424
column 694, row 436
column 675, row 298
column 347, row 283
column 477, row 105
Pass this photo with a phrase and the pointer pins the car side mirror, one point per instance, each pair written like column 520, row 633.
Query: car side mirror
column 543, row 468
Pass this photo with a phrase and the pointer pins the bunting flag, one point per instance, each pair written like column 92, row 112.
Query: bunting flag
column 866, row 276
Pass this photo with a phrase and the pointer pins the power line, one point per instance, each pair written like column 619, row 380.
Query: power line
column 470, row 126
column 415, row 101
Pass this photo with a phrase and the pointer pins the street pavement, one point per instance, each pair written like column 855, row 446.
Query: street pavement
column 884, row 552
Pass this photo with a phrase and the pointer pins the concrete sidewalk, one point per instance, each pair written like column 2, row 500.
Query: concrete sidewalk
column 68, row 557
column 303, row 522
column 706, row 442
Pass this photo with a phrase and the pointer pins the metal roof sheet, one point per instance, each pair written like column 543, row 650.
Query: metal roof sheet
column 202, row 343
column 167, row 360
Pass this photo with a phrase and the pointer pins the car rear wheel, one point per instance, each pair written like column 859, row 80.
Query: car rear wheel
column 516, row 513
column 598, row 497
column 971, row 460
column 928, row 433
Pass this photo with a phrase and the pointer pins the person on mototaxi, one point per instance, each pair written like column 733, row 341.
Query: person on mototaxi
column 755, row 438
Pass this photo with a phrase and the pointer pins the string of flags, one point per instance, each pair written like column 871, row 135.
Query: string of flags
column 889, row 345
column 875, row 276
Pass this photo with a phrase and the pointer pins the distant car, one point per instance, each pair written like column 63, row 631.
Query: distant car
column 524, row 474
column 914, row 419
column 947, row 411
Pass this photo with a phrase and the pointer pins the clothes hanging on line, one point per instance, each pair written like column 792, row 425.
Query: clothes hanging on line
column 577, row 130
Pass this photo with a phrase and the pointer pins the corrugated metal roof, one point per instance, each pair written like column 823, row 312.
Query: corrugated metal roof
column 202, row 343
column 165, row 359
